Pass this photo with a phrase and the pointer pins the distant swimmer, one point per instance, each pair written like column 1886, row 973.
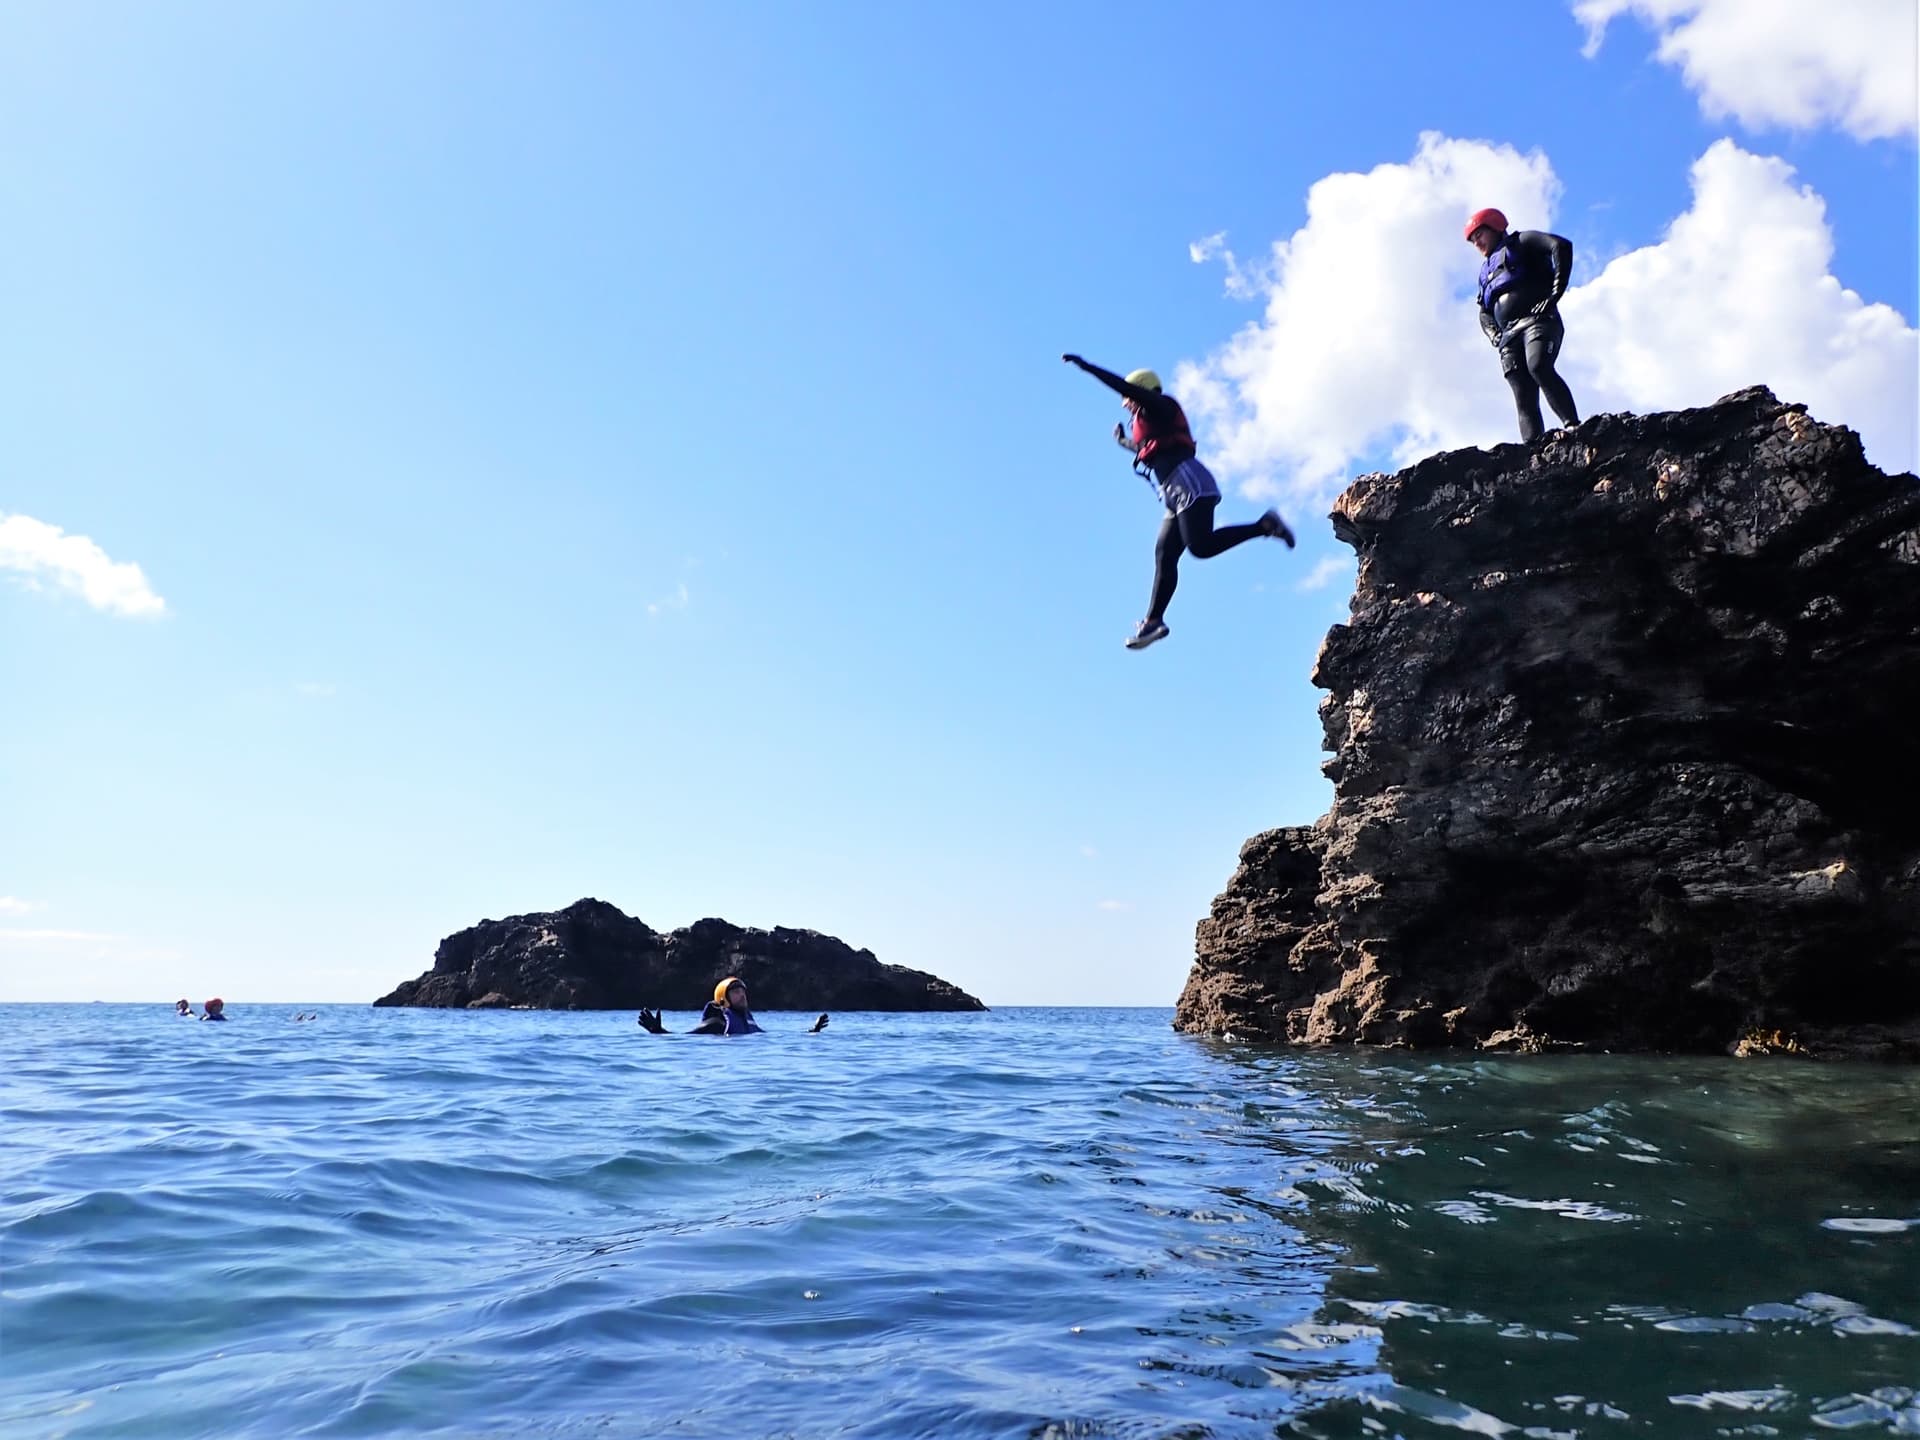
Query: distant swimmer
column 1523, row 274
column 216, row 1009
column 726, row 1014
column 1164, row 452
column 184, row 1009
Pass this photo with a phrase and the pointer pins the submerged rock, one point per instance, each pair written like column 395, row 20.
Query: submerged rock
column 1626, row 755
column 592, row 956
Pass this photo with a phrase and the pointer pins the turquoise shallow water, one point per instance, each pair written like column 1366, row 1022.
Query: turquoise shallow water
column 1025, row 1223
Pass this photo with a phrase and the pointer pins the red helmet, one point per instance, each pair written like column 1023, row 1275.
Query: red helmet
column 1488, row 216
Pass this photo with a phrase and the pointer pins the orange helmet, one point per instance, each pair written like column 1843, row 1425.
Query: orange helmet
column 720, row 990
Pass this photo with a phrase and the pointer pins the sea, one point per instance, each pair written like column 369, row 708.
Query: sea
column 1024, row 1223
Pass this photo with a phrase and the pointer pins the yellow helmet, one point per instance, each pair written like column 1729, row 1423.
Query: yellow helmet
column 1146, row 379
column 720, row 990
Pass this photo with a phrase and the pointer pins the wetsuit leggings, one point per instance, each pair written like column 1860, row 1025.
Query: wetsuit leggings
column 1527, row 361
column 1192, row 529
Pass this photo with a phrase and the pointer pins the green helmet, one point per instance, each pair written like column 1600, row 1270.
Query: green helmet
column 1145, row 379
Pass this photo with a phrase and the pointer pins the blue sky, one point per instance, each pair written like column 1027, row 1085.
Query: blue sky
column 622, row 450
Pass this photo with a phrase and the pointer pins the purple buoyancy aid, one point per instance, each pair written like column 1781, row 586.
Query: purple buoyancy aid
column 1500, row 271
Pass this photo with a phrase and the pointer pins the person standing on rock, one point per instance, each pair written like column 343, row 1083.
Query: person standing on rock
column 1164, row 452
column 1523, row 274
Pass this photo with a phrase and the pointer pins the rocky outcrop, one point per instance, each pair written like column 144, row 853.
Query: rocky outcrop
column 1626, row 755
column 591, row 956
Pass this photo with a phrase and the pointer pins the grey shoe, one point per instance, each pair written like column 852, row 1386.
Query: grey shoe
column 1145, row 633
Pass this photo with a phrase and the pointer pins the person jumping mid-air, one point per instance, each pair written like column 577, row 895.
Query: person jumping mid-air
column 1163, row 449
column 1523, row 274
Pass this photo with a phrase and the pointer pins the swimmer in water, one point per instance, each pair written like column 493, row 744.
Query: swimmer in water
column 216, row 1009
column 184, row 1009
column 726, row 1014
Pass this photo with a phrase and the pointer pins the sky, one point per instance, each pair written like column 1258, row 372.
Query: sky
column 457, row 458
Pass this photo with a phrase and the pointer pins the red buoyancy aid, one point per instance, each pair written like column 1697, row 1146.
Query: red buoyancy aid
column 1166, row 437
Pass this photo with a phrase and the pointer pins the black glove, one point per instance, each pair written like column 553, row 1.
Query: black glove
column 818, row 1026
column 1545, row 307
column 650, row 1022
column 1074, row 360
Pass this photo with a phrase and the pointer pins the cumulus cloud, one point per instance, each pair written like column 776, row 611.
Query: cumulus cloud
column 1848, row 63
column 14, row 905
column 1366, row 340
column 1739, row 291
column 1367, row 346
column 36, row 551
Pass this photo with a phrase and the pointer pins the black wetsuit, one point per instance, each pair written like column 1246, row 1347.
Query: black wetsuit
column 1529, row 343
column 1190, row 498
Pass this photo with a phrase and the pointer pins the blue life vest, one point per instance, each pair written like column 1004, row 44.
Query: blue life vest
column 738, row 1024
column 1501, row 270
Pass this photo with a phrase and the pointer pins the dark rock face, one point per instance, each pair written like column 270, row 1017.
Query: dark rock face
column 1626, row 755
column 591, row 956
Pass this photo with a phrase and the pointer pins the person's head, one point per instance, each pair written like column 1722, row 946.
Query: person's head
column 214, row 1006
column 1485, row 229
column 182, row 1007
column 732, row 993
column 1146, row 380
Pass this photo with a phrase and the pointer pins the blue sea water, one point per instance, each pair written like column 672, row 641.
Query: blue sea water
column 1024, row 1223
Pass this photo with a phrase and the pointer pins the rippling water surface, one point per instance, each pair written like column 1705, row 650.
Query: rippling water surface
column 1026, row 1223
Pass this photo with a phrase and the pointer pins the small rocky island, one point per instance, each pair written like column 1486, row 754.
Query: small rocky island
column 592, row 956
column 1625, row 734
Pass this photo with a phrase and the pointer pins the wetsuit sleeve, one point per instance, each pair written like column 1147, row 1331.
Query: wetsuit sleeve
column 1139, row 394
column 1487, row 326
column 1562, row 263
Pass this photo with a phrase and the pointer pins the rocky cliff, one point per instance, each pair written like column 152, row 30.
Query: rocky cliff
column 1625, row 734
column 592, row 956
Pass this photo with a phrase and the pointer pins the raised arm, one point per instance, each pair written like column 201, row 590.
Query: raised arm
column 1139, row 394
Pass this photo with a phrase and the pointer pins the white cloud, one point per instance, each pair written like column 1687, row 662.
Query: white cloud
column 315, row 689
column 23, row 937
column 1329, row 569
column 33, row 549
column 1788, row 63
column 14, row 905
column 1737, row 292
column 1115, row 905
column 1367, row 339
column 1243, row 282
column 679, row 600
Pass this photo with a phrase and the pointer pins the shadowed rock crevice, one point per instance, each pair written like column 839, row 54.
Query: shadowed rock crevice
column 1623, row 741
column 592, row 956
